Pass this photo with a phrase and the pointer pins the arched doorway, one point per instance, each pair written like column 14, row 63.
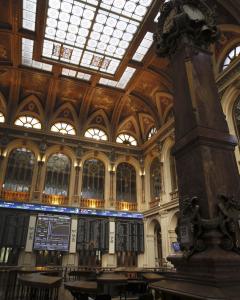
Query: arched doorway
column 155, row 254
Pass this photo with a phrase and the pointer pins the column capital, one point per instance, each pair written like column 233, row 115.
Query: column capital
column 190, row 22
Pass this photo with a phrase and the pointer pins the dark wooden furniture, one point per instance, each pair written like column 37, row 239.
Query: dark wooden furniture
column 109, row 282
column 81, row 290
column 38, row 287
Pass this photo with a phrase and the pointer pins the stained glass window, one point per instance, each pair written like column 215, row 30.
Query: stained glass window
column 57, row 175
column 155, row 177
column 93, row 179
column 97, row 33
column 173, row 171
column 19, row 171
column 28, row 122
column 127, row 139
column 152, row 132
column 97, row 134
column 63, row 128
column 2, row 118
column 231, row 57
column 126, row 183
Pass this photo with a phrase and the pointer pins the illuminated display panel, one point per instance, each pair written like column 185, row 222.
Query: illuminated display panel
column 52, row 233
column 92, row 34
column 69, row 210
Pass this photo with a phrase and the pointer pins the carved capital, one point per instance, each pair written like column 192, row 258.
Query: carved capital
column 190, row 22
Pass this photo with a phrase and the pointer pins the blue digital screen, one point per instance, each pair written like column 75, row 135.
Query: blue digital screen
column 69, row 210
column 176, row 247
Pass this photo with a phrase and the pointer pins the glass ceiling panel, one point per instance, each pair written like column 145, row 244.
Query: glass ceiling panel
column 93, row 34
column 72, row 73
column 27, row 53
column 143, row 47
column 29, row 14
column 122, row 83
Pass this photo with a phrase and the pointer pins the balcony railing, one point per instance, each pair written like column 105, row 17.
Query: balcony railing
column 91, row 203
column 154, row 203
column 15, row 196
column 123, row 205
column 54, row 199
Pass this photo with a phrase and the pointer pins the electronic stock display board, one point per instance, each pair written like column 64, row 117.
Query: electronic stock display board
column 52, row 232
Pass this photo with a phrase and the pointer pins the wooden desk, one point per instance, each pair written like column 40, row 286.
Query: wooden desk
column 38, row 287
column 82, row 289
column 152, row 277
column 110, row 280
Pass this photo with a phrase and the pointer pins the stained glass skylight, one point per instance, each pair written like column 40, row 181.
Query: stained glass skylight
column 97, row 134
column 72, row 73
column 126, row 139
column 27, row 53
column 2, row 118
column 143, row 47
column 90, row 33
column 29, row 14
column 122, row 83
column 28, row 122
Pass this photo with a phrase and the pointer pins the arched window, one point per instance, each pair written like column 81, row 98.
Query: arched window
column 126, row 183
column 93, row 179
column 126, row 139
column 57, row 175
column 29, row 122
column 151, row 133
column 231, row 56
column 173, row 173
column 63, row 128
column 19, row 171
column 155, row 177
column 97, row 134
column 2, row 118
column 236, row 117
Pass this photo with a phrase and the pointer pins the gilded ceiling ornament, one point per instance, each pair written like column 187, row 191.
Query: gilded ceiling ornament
column 191, row 22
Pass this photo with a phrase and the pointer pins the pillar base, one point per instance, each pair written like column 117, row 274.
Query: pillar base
column 213, row 274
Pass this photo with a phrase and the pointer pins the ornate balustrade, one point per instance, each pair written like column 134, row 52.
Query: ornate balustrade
column 54, row 199
column 123, row 205
column 15, row 196
column 154, row 203
column 91, row 203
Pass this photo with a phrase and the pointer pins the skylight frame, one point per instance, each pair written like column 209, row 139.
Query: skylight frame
column 144, row 47
column 46, row 54
column 75, row 74
column 29, row 10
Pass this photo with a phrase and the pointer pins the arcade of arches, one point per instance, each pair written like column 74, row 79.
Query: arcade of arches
column 74, row 136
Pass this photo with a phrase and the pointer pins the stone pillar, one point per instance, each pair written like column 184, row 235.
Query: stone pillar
column 37, row 193
column 76, row 197
column 112, row 201
column 208, row 228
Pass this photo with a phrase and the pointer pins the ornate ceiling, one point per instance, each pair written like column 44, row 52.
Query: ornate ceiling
column 133, row 98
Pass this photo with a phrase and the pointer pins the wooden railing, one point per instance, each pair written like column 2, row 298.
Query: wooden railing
column 91, row 203
column 122, row 205
column 54, row 199
column 15, row 196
